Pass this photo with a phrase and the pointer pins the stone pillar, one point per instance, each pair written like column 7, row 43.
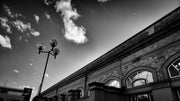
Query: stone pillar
column 96, row 91
column 62, row 97
column 77, row 94
column 55, row 98
column 71, row 95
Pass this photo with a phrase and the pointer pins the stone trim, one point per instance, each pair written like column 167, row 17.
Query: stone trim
column 167, row 63
column 141, row 68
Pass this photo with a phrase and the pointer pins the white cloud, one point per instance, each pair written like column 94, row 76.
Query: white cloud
column 16, row 71
column 36, row 18
column 47, row 15
column 4, row 24
column 22, row 27
column 18, row 24
column 48, row 2
column 72, row 31
column 75, row 33
column 10, row 14
column 30, row 64
column 103, row 1
column 5, row 42
column 35, row 33
column 47, row 75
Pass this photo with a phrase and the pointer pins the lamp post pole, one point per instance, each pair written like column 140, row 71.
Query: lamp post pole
column 54, row 51
column 40, row 87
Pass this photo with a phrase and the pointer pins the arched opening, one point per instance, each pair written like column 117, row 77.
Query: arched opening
column 136, row 78
column 171, row 66
column 139, row 78
column 174, row 68
column 171, row 70
column 113, row 83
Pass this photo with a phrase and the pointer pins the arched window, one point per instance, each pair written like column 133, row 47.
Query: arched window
column 113, row 83
column 139, row 78
column 174, row 69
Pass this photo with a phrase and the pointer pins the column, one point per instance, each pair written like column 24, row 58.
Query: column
column 96, row 91
column 77, row 94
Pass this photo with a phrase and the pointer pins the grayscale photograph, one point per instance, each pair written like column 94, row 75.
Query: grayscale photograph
column 89, row 50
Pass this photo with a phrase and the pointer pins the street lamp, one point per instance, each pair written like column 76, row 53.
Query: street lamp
column 54, row 52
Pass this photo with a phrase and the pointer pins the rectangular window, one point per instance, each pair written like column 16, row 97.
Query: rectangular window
column 141, row 97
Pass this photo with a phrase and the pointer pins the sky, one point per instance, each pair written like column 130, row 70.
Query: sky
column 84, row 29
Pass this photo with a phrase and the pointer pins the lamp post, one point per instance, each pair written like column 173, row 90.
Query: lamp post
column 54, row 52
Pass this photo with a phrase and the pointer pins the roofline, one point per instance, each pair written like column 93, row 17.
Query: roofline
column 12, row 89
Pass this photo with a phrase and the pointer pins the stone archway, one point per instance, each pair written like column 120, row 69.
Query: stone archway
column 167, row 63
column 113, row 82
column 137, row 69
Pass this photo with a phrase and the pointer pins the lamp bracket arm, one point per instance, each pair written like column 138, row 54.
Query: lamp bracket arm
column 44, row 51
column 52, row 54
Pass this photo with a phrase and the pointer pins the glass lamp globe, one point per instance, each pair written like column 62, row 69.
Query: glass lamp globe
column 40, row 47
column 56, row 51
column 53, row 43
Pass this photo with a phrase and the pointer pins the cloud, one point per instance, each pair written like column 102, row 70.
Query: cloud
column 35, row 33
column 47, row 75
column 36, row 18
column 22, row 27
column 49, row 2
column 16, row 71
column 5, row 42
column 18, row 24
column 47, row 15
column 4, row 24
column 103, row 1
column 7, row 23
column 30, row 64
column 72, row 32
column 10, row 14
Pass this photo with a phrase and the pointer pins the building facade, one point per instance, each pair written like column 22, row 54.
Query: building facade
column 146, row 67
column 14, row 94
